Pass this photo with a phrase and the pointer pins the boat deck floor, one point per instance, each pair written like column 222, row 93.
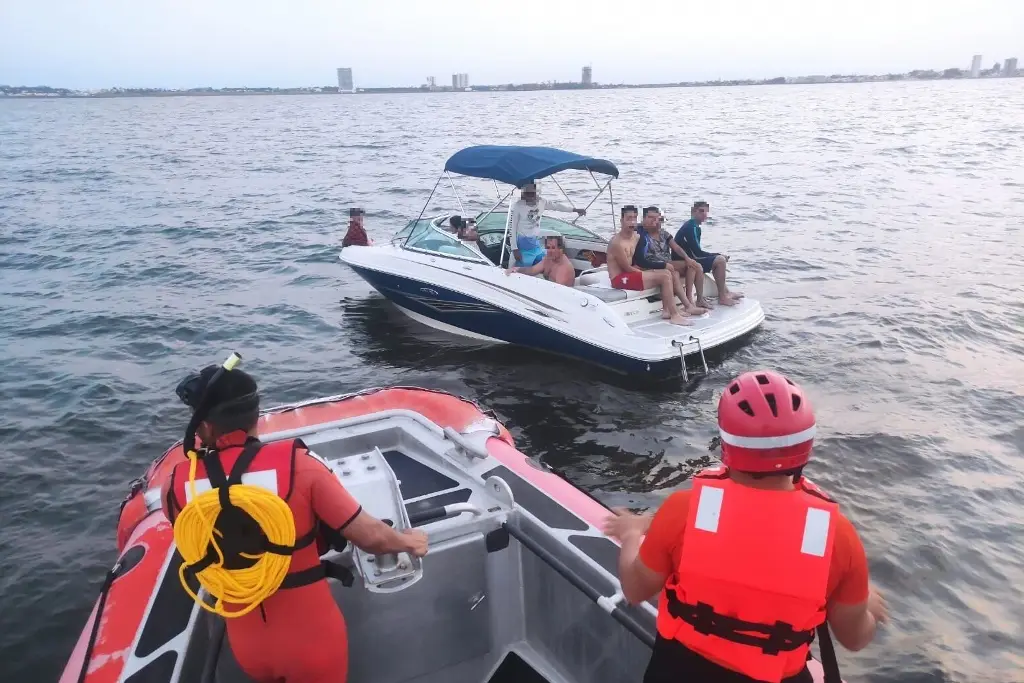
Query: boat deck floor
column 658, row 328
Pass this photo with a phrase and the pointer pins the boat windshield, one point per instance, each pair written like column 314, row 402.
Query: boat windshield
column 427, row 237
column 404, row 232
column 496, row 223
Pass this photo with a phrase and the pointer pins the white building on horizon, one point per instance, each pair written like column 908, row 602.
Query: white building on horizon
column 588, row 76
column 1010, row 67
column 976, row 66
column 345, row 80
column 460, row 81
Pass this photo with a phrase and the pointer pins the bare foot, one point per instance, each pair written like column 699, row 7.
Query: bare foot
column 705, row 302
column 695, row 310
column 736, row 295
column 726, row 300
column 679, row 320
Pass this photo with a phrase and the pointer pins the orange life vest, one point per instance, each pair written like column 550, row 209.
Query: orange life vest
column 751, row 585
column 239, row 459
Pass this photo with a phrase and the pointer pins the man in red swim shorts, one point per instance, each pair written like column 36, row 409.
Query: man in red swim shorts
column 297, row 634
column 624, row 275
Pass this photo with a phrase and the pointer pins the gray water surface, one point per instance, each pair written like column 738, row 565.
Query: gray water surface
column 879, row 224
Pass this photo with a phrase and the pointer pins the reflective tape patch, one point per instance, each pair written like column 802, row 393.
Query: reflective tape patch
column 709, row 508
column 265, row 479
column 816, row 532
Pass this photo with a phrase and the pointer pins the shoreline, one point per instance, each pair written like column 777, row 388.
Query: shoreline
column 22, row 92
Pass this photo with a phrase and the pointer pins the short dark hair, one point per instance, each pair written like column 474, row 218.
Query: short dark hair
column 628, row 208
column 651, row 209
column 455, row 221
column 700, row 204
column 355, row 211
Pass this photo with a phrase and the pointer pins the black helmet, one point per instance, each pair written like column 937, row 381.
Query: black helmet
column 234, row 400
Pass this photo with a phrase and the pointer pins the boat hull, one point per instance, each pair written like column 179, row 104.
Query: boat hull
column 459, row 313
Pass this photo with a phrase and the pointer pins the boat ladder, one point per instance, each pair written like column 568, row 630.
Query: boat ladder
column 678, row 343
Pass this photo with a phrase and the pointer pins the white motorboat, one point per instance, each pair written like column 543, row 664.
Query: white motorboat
column 461, row 287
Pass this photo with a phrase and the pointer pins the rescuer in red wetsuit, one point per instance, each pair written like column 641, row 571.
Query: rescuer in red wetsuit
column 297, row 634
column 754, row 558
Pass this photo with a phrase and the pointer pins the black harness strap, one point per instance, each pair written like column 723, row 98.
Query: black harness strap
column 223, row 482
column 781, row 637
column 324, row 570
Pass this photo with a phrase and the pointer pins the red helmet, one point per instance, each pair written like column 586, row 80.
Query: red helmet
column 766, row 423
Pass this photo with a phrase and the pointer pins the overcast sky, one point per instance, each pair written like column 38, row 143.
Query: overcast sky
column 188, row 43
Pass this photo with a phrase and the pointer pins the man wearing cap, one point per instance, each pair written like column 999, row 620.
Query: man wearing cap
column 527, row 212
column 297, row 635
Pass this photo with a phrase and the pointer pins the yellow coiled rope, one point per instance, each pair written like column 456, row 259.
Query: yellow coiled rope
column 194, row 531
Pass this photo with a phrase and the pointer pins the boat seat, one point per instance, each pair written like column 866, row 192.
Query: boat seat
column 598, row 284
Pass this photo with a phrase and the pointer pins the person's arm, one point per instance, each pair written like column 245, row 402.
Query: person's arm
column 642, row 256
column 679, row 251
column 855, row 607
column 514, row 232
column 559, row 206
column 532, row 270
column 335, row 507
column 649, row 544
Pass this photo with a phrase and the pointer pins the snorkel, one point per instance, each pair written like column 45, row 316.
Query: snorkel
column 201, row 408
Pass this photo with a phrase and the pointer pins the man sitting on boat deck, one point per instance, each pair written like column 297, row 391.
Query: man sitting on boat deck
column 555, row 266
column 527, row 212
column 652, row 253
column 754, row 559
column 624, row 275
column 688, row 237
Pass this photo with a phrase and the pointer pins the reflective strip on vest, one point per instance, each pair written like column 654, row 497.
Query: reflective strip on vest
column 264, row 478
column 816, row 523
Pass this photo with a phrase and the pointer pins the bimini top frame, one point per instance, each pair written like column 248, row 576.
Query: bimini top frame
column 517, row 166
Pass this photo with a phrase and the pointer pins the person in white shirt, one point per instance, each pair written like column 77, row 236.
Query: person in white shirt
column 526, row 214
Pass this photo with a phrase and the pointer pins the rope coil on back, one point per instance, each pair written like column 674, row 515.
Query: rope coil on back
column 196, row 536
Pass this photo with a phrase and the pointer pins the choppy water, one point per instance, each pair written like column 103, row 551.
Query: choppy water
column 881, row 226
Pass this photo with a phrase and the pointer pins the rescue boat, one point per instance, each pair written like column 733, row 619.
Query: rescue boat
column 519, row 585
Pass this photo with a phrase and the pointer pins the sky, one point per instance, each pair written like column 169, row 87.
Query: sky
column 281, row 43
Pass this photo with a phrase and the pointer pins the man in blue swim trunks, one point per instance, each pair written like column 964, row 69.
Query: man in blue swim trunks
column 527, row 212
column 688, row 238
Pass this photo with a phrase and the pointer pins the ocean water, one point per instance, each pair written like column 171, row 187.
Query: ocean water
column 881, row 226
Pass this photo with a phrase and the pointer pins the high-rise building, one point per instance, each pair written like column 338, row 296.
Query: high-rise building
column 588, row 76
column 460, row 81
column 345, row 80
column 976, row 66
column 431, row 82
column 1010, row 67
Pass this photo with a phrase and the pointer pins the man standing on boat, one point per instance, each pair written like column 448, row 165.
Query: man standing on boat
column 754, row 559
column 527, row 212
column 295, row 633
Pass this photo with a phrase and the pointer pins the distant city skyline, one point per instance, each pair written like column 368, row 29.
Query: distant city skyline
column 191, row 43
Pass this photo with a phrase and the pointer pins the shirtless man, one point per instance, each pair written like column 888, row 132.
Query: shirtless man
column 555, row 266
column 624, row 275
